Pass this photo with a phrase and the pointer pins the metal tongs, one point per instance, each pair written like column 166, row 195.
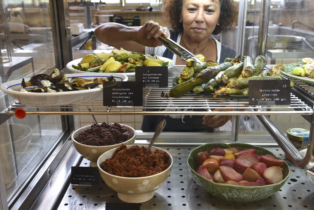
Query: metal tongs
column 177, row 49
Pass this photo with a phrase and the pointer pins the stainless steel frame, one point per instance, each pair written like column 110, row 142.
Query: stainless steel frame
column 241, row 26
column 263, row 27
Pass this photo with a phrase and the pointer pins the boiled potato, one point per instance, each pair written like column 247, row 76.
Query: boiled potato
column 151, row 63
column 104, row 55
column 151, row 58
column 103, row 67
column 88, row 58
column 84, row 65
column 113, row 67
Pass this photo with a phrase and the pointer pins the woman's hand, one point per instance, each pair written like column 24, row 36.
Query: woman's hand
column 216, row 121
column 148, row 32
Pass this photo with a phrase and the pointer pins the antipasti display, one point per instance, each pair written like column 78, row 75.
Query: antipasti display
column 230, row 78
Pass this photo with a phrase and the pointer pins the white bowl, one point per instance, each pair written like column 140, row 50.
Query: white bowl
column 12, row 88
column 91, row 152
column 134, row 189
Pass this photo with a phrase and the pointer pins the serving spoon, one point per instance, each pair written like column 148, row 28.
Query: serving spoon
column 159, row 129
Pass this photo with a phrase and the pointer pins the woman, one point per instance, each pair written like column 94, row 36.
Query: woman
column 192, row 22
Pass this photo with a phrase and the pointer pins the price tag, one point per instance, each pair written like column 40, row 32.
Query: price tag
column 124, row 206
column 84, row 176
column 269, row 92
column 152, row 75
column 123, row 94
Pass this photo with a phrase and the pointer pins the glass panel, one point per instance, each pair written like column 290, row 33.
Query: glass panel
column 24, row 143
column 290, row 30
column 290, row 38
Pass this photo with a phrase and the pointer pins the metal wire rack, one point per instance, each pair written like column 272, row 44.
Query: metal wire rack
column 189, row 104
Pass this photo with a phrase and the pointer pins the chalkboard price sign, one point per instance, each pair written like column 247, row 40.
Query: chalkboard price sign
column 269, row 92
column 84, row 176
column 152, row 75
column 122, row 94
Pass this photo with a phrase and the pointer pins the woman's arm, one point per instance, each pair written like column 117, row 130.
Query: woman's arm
column 130, row 38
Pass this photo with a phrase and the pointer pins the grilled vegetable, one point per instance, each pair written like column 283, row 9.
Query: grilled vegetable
column 220, row 67
column 231, row 91
column 264, row 73
column 57, row 75
column 244, row 82
column 228, row 59
column 34, row 89
column 182, row 88
column 207, row 87
column 211, row 63
column 180, row 80
column 233, row 71
column 275, row 70
column 199, row 67
column 259, row 64
column 232, row 79
column 198, row 89
column 236, row 60
column 213, row 83
column 187, row 73
column 248, row 67
column 190, row 62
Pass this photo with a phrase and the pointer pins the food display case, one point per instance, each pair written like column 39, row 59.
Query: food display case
column 38, row 153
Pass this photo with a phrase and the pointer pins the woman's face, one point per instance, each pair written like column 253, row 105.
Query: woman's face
column 200, row 17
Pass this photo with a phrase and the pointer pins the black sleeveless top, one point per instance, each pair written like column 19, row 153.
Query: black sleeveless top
column 188, row 123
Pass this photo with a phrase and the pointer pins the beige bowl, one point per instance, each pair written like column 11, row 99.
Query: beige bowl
column 92, row 153
column 134, row 189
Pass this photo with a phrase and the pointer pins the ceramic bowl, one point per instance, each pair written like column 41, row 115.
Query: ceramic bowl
column 134, row 189
column 235, row 193
column 92, row 153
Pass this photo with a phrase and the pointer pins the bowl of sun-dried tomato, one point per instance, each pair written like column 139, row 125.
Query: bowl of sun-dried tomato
column 133, row 174
column 93, row 140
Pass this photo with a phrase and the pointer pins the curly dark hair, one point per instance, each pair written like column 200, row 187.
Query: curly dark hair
column 172, row 11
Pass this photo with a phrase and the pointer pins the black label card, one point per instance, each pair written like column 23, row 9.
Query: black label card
column 84, row 176
column 123, row 94
column 152, row 75
column 123, row 206
column 269, row 92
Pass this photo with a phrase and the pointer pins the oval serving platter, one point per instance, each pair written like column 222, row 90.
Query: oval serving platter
column 76, row 62
column 12, row 88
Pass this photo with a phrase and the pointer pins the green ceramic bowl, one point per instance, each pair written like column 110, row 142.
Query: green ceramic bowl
column 235, row 193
